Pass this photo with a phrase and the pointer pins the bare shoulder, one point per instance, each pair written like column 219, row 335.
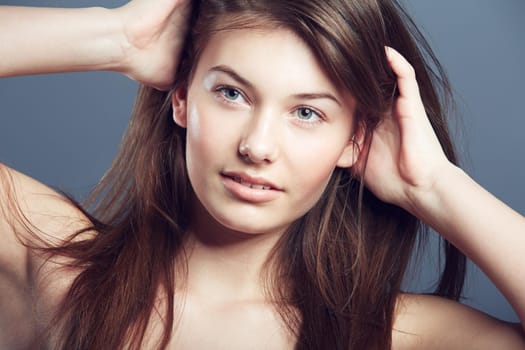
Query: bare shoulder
column 31, row 214
column 430, row 322
column 31, row 206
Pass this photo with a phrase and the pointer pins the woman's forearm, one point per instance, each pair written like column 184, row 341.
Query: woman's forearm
column 484, row 228
column 50, row 40
column 142, row 39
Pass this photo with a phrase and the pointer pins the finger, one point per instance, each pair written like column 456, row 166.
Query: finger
column 406, row 75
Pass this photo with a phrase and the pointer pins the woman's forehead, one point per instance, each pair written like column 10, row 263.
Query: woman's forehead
column 268, row 58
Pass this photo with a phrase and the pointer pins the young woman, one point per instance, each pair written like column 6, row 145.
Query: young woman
column 269, row 199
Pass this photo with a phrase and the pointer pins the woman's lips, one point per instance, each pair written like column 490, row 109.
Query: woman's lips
column 251, row 185
column 250, row 189
column 256, row 182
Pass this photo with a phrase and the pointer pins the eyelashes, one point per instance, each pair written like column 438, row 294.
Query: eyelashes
column 308, row 114
column 232, row 96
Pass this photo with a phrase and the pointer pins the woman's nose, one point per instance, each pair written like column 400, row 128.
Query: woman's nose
column 259, row 143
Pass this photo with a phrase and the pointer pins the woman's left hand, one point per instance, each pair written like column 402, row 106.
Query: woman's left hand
column 405, row 157
column 407, row 167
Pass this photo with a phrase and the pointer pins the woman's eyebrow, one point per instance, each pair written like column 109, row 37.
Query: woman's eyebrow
column 234, row 75
column 316, row 96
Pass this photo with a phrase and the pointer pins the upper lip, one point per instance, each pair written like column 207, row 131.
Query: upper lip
column 256, row 180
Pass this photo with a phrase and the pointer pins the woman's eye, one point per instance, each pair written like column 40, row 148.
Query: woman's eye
column 308, row 115
column 231, row 94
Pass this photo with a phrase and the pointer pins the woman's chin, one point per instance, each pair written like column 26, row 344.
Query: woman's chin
column 253, row 229
column 247, row 226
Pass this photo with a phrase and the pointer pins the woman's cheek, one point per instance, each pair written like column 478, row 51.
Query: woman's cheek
column 315, row 162
column 193, row 122
column 208, row 132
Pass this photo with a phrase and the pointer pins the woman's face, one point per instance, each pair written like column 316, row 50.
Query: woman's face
column 265, row 129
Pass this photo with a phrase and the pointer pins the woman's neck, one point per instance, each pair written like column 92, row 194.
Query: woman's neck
column 224, row 264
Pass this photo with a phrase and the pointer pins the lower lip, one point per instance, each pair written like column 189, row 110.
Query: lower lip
column 249, row 194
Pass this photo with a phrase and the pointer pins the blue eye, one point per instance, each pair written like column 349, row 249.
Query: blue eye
column 307, row 114
column 230, row 94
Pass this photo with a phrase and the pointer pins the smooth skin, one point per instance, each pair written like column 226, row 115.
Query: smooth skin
column 406, row 167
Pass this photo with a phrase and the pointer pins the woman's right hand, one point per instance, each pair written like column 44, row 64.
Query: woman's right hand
column 141, row 39
column 154, row 32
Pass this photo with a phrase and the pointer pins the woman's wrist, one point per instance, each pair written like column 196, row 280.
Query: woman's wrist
column 431, row 201
column 106, row 43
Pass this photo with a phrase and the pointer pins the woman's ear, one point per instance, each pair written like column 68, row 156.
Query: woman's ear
column 179, row 105
column 353, row 149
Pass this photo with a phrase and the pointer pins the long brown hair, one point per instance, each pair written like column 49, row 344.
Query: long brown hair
column 336, row 273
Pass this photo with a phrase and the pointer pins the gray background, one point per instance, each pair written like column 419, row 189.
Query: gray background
column 64, row 129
